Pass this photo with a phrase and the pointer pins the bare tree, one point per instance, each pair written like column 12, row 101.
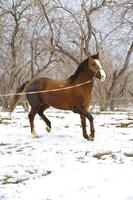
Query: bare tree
column 52, row 37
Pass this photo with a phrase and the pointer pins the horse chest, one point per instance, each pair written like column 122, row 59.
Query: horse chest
column 82, row 101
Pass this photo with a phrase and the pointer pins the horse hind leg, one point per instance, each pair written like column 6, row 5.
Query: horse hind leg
column 45, row 119
column 31, row 119
column 35, row 103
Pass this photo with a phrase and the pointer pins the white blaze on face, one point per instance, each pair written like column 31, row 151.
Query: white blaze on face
column 102, row 72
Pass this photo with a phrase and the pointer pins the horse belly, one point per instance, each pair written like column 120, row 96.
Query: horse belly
column 67, row 100
column 58, row 100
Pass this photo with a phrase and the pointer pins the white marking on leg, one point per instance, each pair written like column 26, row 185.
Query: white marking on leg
column 35, row 135
column 48, row 129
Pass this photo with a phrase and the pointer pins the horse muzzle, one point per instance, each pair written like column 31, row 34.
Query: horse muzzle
column 103, row 75
column 100, row 74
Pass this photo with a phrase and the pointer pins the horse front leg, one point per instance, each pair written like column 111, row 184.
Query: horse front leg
column 83, row 124
column 92, row 129
column 84, row 114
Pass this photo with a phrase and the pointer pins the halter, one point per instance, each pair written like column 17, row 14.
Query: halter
column 96, row 73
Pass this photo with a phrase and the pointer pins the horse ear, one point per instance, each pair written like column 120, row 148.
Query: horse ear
column 96, row 56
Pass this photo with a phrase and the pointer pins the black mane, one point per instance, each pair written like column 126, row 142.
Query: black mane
column 79, row 70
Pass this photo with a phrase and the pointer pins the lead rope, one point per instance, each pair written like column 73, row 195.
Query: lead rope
column 51, row 90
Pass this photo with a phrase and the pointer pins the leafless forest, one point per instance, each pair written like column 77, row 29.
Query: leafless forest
column 51, row 37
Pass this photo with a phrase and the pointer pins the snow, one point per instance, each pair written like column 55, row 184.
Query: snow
column 62, row 165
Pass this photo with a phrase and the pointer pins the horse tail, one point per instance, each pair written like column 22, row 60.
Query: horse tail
column 16, row 97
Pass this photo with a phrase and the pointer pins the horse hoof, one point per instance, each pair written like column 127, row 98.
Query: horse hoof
column 91, row 138
column 48, row 129
column 36, row 136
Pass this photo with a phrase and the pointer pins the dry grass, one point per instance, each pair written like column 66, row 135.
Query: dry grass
column 3, row 144
column 100, row 155
column 124, row 125
column 128, row 154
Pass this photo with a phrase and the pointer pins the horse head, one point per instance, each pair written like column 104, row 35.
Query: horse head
column 96, row 67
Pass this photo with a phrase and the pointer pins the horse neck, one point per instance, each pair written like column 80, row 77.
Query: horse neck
column 85, row 75
column 82, row 74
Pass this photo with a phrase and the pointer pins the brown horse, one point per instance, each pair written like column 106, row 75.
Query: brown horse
column 72, row 94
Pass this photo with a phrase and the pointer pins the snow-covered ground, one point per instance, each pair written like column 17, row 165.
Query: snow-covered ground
column 62, row 165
